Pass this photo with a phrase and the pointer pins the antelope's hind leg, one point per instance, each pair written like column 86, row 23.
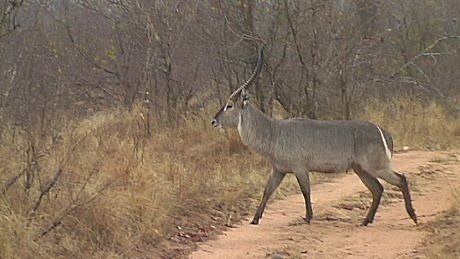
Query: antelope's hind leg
column 376, row 189
column 400, row 181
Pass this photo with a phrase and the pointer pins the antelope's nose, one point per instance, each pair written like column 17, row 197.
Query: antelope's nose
column 214, row 123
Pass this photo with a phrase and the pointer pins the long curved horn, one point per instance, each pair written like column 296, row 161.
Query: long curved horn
column 253, row 76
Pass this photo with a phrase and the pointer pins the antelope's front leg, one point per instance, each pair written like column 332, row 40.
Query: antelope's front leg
column 303, row 178
column 275, row 179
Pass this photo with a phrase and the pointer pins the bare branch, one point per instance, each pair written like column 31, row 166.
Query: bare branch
column 11, row 181
column 424, row 52
column 66, row 211
column 46, row 188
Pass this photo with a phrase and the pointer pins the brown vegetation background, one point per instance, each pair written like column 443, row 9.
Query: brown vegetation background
column 106, row 148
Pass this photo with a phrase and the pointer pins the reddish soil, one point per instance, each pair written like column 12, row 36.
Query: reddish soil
column 339, row 207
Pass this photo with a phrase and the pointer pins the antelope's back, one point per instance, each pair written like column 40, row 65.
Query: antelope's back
column 326, row 146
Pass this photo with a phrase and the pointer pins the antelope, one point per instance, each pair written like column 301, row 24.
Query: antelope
column 299, row 146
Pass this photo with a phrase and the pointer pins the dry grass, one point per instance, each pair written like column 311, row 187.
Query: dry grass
column 415, row 124
column 444, row 238
column 121, row 193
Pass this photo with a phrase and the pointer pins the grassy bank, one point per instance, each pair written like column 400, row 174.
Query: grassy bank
column 102, row 187
column 444, row 238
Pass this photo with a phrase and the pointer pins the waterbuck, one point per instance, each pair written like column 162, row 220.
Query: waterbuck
column 299, row 146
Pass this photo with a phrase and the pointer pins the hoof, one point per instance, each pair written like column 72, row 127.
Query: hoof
column 307, row 220
column 255, row 222
column 366, row 222
column 414, row 218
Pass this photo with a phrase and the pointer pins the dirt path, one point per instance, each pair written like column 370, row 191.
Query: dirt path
column 339, row 207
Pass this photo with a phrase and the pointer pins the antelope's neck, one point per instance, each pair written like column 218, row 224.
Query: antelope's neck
column 257, row 130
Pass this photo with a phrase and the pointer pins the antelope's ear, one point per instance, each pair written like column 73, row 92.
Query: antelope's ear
column 244, row 97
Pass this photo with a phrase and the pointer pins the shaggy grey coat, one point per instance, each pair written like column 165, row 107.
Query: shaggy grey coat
column 302, row 145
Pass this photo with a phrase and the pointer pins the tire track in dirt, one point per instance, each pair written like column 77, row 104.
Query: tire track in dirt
column 339, row 207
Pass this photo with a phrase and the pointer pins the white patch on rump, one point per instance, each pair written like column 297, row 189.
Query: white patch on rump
column 387, row 150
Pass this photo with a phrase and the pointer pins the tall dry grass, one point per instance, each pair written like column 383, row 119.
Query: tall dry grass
column 416, row 124
column 101, row 188
column 119, row 193
column 443, row 240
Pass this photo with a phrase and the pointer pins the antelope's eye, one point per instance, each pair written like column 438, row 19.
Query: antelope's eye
column 227, row 106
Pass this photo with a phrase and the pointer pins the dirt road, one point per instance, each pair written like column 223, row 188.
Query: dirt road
column 339, row 207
